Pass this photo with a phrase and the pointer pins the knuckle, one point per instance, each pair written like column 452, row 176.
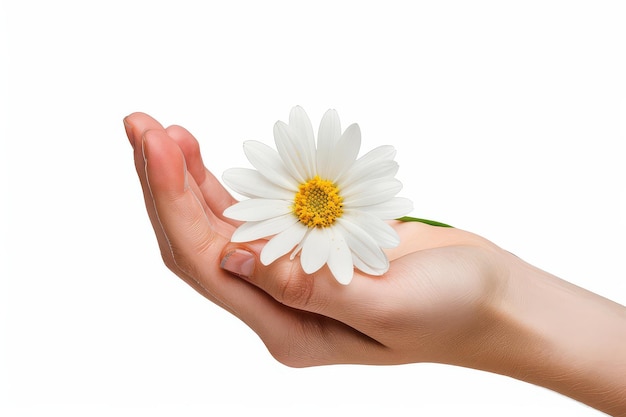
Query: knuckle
column 294, row 287
column 186, row 260
column 176, row 261
column 168, row 260
column 182, row 262
column 198, row 243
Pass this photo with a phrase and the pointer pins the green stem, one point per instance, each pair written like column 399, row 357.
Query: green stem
column 430, row 222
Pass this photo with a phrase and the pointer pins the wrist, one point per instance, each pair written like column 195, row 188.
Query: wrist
column 551, row 333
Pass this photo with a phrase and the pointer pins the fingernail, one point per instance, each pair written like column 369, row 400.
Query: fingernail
column 239, row 262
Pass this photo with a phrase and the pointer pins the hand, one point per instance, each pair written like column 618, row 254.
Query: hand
column 434, row 294
column 449, row 296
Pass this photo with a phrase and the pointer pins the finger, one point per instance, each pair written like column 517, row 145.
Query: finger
column 136, row 125
column 308, row 338
column 176, row 206
column 191, row 246
column 366, row 296
column 216, row 196
column 319, row 293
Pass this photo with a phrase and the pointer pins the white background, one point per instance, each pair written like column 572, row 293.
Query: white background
column 509, row 118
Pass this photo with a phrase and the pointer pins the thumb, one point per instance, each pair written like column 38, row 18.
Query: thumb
column 286, row 281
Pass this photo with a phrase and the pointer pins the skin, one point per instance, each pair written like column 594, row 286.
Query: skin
column 450, row 296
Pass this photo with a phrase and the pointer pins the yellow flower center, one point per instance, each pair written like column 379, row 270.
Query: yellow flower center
column 318, row 203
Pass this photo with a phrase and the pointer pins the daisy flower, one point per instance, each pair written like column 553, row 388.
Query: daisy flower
column 319, row 202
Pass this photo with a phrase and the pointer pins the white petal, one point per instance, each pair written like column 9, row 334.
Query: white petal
column 315, row 250
column 258, row 209
column 251, row 183
column 267, row 161
column 300, row 125
column 377, row 163
column 293, row 151
column 366, row 172
column 380, row 153
column 340, row 257
column 384, row 235
column 391, row 209
column 327, row 136
column 346, row 151
column 370, row 192
column 282, row 243
column 363, row 267
column 255, row 230
column 298, row 248
column 363, row 245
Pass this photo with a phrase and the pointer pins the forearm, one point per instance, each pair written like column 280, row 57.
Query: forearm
column 554, row 334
